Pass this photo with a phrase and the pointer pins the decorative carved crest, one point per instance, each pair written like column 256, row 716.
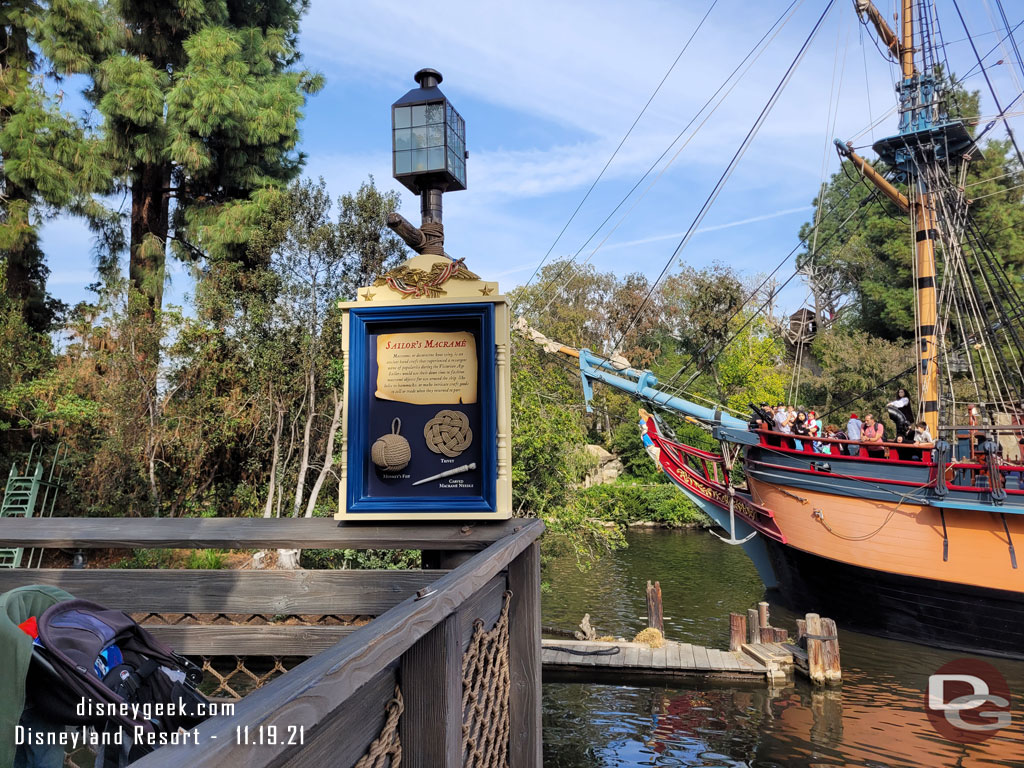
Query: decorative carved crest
column 418, row 283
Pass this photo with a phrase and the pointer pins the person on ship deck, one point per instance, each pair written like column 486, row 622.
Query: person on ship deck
column 902, row 405
column 874, row 433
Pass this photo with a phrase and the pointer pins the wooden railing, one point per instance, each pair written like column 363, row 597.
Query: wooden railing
column 337, row 701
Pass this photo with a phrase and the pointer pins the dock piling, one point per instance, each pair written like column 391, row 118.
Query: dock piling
column 655, row 616
column 737, row 631
column 815, row 649
column 753, row 626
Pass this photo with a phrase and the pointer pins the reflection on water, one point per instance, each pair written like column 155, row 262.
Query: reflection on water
column 876, row 720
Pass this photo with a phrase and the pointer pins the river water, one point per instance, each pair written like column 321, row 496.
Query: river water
column 876, row 719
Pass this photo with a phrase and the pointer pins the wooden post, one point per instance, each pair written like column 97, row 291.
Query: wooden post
column 655, row 617
column 767, row 634
column 801, row 630
column 779, row 635
column 815, row 650
column 753, row 628
column 431, row 725
column 833, row 672
column 737, row 631
column 524, row 659
column 762, row 615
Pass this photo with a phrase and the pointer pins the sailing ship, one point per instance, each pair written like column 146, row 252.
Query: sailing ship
column 919, row 548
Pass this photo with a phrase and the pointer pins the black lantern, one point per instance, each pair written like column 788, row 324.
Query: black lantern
column 428, row 138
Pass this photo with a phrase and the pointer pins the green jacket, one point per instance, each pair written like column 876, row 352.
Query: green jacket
column 15, row 653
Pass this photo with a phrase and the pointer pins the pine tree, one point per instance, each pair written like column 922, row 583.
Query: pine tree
column 201, row 103
column 51, row 162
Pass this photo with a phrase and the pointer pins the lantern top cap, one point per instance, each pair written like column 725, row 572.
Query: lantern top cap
column 428, row 80
column 424, row 77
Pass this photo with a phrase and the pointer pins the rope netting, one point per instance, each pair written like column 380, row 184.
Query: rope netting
column 386, row 750
column 485, row 695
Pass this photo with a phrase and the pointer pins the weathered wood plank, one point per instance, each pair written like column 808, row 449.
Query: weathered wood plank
column 686, row 659
column 485, row 605
column 675, row 659
column 645, row 656
column 258, row 640
column 203, row 591
column 524, row 660
column 431, row 673
column 312, row 693
column 700, row 657
column 659, row 659
column 340, row 742
column 632, row 656
column 245, row 533
column 619, row 659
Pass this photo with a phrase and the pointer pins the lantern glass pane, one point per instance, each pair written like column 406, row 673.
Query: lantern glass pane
column 403, row 117
column 435, row 135
column 451, row 162
column 403, row 162
column 419, row 160
column 403, row 138
column 419, row 136
column 435, row 112
column 435, row 158
column 419, row 115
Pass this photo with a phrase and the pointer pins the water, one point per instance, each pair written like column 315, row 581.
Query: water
column 876, row 720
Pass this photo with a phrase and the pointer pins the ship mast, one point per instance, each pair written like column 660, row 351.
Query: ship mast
column 925, row 138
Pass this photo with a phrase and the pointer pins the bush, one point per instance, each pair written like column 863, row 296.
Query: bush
column 374, row 559
column 625, row 502
column 147, row 558
column 205, row 559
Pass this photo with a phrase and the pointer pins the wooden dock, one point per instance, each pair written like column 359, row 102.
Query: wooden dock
column 639, row 663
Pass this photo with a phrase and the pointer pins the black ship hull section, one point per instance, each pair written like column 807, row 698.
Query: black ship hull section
column 942, row 614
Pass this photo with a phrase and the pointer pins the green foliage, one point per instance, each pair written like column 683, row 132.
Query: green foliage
column 364, row 559
column 52, row 162
column 864, row 255
column 147, row 558
column 205, row 559
column 853, row 363
column 547, row 433
column 625, row 502
column 636, row 463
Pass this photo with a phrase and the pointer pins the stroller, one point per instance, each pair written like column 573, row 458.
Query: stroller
column 77, row 663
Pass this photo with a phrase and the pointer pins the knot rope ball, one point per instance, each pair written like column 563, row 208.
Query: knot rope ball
column 448, row 433
column 391, row 452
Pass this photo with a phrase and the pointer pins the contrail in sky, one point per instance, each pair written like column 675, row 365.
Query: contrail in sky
column 729, row 225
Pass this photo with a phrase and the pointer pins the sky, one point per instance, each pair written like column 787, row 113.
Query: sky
column 549, row 89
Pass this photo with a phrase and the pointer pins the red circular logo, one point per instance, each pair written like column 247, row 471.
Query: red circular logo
column 968, row 701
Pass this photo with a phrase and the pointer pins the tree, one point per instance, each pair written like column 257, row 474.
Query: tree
column 701, row 310
column 371, row 248
column 51, row 162
column 201, row 103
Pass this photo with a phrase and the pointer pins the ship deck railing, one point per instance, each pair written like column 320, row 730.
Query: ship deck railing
column 975, row 472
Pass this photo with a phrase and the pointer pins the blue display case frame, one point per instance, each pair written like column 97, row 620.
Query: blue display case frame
column 366, row 322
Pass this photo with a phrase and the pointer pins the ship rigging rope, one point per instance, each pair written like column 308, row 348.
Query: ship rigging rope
column 860, row 209
column 772, row 31
column 656, row 179
column 686, row 45
column 991, row 87
column 1013, row 44
column 727, row 173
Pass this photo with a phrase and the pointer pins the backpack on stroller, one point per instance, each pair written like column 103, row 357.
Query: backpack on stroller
column 95, row 666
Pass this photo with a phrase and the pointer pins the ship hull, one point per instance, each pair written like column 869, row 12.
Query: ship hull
column 938, row 613
column 899, row 566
